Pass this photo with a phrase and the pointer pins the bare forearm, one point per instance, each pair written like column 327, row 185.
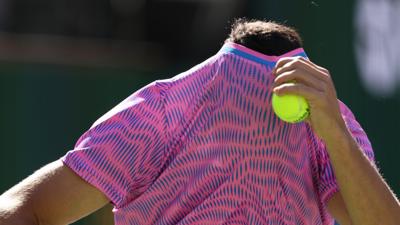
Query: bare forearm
column 368, row 198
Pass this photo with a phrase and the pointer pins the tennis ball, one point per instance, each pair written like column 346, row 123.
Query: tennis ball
column 290, row 108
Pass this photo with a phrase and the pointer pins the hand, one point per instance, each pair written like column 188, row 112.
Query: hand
column 373, row 205
column 299, row 76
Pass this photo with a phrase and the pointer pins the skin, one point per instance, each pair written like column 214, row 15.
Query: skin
column 55, row 195
column 364, row 198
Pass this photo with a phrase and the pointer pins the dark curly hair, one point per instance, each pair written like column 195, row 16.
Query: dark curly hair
column 267, row 37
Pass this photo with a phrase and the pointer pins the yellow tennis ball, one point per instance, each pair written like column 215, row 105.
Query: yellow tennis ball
column 290, row 108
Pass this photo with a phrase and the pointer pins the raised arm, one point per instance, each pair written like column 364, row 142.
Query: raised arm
column 367, row 197
column 363, row 192
column 52, row 195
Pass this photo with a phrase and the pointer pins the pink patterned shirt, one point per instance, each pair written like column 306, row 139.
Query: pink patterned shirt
column 204, row 147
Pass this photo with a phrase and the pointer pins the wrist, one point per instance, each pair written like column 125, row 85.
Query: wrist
column 338, row 137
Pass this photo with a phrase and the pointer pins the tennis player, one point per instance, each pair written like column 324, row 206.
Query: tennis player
column 204, row 147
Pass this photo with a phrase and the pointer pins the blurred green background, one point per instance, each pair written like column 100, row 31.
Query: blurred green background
column 102, row 54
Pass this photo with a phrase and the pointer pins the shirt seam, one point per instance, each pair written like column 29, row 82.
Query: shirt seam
column 166, row 135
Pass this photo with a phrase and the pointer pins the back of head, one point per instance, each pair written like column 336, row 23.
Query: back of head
column 267, row 37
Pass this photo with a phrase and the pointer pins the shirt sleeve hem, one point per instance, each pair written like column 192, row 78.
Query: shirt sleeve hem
column 328, row 194
column 93, row 179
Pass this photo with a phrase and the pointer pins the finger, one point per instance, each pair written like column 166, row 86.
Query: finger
column 286, row 64
column 282, row 61
column 309, row 93
column 320, row 68
column 299, row 76
column 299, row 62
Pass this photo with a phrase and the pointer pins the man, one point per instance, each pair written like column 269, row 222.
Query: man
column 204, row 147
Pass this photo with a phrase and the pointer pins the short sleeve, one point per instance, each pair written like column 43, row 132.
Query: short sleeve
column 327, row 185
column 123, row 151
